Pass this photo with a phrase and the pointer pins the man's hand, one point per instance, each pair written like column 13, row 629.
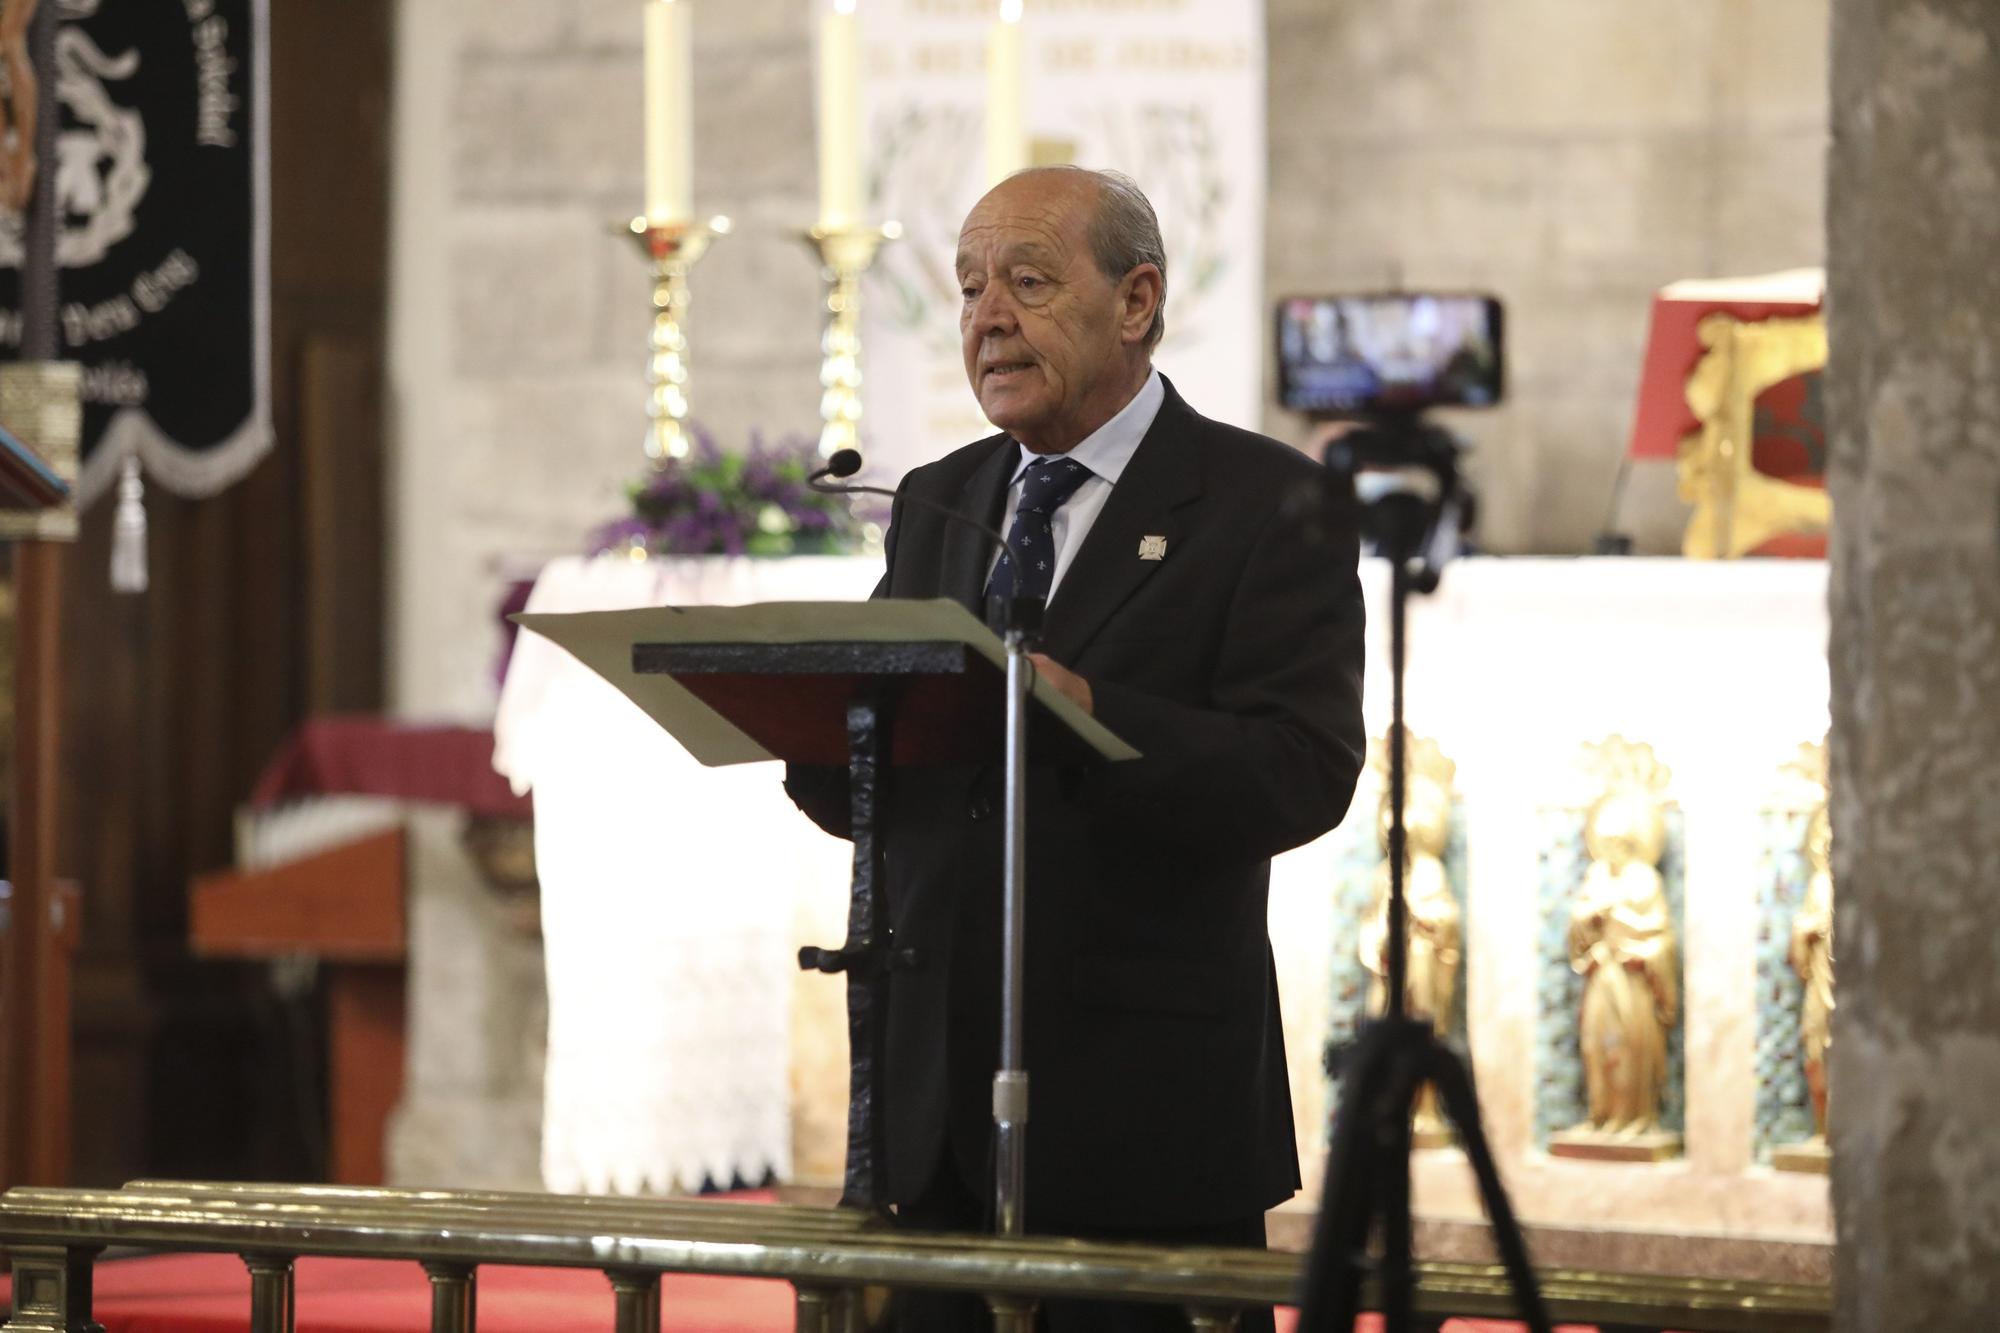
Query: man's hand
column 1075, row 687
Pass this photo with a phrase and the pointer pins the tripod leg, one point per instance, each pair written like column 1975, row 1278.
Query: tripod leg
column 1454, row 1087
column 1332, row 1296
column 1404, row 1073
column 1393, row 1164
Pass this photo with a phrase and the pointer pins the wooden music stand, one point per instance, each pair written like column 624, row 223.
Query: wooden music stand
column 859, row 685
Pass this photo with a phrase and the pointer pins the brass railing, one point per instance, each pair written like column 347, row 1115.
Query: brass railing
column 830, row 1257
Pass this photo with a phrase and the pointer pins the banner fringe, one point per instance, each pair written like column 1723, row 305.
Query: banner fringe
column 128, row 532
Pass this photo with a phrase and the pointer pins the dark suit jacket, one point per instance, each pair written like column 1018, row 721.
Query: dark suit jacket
column 1158, row 1092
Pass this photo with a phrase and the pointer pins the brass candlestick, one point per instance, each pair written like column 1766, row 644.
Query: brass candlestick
column 844, row 255
column 672, row 248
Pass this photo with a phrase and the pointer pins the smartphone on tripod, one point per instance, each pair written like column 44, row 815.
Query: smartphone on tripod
column 1374, row 354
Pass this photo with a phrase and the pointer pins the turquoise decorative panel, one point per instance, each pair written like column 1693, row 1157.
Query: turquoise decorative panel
column 1784, row 1105
column 1358, row 857
column 1559, row 1099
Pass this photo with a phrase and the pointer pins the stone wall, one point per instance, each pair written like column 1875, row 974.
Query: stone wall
column 519, row 317
column 1567, row 154
column 1914, row 310
column 1570, row 156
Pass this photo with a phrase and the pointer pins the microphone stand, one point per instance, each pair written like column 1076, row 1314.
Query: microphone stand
column 1014, row 1314
column 1010, row 1081
column 1021, row 621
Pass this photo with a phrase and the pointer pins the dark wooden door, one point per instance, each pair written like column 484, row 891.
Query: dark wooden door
column 266, row 605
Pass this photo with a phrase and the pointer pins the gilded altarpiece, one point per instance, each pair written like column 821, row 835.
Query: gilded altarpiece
column 1360, row 861
column 1794, row 849
column 1563, row 860
column 1784, row 1103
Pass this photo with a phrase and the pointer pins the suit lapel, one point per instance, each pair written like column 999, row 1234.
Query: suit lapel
column 967, row 551
column 1163, row 477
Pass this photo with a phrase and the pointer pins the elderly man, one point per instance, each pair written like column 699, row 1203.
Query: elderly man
column 1204, row 606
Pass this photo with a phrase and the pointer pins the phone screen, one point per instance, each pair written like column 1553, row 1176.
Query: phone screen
column 1388, row 352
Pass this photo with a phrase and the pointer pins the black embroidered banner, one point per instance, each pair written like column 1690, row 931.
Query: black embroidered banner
column 162, row 245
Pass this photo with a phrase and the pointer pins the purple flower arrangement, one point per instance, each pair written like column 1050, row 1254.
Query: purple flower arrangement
column 718, row 503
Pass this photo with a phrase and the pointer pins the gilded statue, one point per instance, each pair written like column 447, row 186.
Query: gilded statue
column 1434, row 930
column 1621, row 941
column 1811, row 956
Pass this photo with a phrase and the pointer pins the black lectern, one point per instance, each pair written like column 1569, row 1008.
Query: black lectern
column 862, row 685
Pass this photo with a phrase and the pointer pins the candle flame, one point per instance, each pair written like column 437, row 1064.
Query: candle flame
column 1010, row 11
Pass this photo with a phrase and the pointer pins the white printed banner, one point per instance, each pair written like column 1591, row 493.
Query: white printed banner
column 1171, row 92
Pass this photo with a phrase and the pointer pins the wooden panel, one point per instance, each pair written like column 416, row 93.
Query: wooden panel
column 340, row 400
column 345, row 903
column 49, row 1141
column 364, row 1016
column 264, row 605
column 39, row 939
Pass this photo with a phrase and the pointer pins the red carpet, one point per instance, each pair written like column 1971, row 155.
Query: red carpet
column 210, row 1293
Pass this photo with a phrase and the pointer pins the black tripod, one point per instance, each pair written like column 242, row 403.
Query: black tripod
column 1404, row 476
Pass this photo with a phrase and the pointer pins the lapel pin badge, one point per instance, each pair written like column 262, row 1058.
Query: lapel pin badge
column 1152, row 548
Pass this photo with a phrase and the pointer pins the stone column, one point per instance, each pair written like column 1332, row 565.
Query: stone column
column 471, row 1114
column 1914, row 407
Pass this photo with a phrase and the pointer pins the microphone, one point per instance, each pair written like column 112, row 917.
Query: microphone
column 1020, row 613
column 843, row 463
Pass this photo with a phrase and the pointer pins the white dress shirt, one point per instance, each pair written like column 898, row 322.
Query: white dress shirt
column 1105, row 451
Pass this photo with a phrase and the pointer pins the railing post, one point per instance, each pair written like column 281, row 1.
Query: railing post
column 52, row 1289
column 1013, row 1314
column 270, row 1292
column 831, row 1310
column 454, row 1297
column 638, row 1300
column 1212, row 1319
column 819, row 1310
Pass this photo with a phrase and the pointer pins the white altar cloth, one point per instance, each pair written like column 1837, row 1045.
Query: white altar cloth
column 670, row 891
column 668, row 896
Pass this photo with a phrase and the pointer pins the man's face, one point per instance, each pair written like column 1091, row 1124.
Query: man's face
column 1047, row 337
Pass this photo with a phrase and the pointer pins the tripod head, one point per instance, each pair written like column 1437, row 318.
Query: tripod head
column 1403, row 473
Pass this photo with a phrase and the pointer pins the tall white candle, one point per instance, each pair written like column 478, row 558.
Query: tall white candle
column 669, row 111
column 1006, row 121
column 839, row 116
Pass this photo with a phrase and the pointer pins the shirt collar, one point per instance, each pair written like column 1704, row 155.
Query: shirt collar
column 1106, row 450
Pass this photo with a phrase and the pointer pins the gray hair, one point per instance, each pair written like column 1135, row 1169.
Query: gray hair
column 1124, row 233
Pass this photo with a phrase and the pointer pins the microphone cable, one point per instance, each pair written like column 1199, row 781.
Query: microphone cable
column 846, row 462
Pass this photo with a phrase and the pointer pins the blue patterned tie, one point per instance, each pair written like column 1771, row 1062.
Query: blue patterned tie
column 1045, row 485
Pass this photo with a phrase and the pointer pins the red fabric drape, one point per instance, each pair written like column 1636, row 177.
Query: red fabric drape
column 376, row 756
